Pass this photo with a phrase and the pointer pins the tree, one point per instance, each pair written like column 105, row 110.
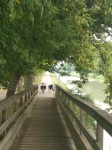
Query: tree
column 105, row 67
column 29, row 38
column 38, row 34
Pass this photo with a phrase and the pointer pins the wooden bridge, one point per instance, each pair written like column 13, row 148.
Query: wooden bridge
column 33, row 121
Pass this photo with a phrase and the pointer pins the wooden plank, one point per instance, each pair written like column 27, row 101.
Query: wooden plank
column 10, row 136
column 12, row 118
column 10, row 100
column 45, row 129
column 101, row 116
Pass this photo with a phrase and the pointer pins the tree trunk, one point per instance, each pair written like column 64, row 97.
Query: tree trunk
column 20, row 85
column 12, row 85
column 28, row 81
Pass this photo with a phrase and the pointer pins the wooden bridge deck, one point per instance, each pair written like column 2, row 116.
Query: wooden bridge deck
column 44, row 129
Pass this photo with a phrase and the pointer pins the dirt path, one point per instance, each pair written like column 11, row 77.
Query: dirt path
column 47, row 81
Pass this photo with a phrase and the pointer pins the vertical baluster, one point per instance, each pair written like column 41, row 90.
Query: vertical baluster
column 32, row 92
column 68, row 104
column 4, row 115
column 4, row 118
column 74, row 111
column 83, row 115
column 64, row 101
column 99, row 136
column 14, row 106
column 21, row 101
column 26, row 97
column 82, row 119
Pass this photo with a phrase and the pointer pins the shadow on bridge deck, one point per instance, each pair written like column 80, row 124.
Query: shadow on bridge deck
column 44, row 128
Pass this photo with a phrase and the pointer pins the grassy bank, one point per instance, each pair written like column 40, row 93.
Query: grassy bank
column 55, row 80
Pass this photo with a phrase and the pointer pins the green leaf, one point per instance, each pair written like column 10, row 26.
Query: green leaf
column 31, row 18
column 42, row 9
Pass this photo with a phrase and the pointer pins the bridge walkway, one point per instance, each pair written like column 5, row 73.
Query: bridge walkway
column 44, row 128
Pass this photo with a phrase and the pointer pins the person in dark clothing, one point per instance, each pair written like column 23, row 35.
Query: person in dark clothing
column 43, row 87
column 50, row 87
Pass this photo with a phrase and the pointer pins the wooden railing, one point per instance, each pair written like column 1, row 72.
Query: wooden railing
column 13, row 112
column 76, row 112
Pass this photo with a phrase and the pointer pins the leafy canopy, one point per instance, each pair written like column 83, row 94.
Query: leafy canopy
column 36, row 34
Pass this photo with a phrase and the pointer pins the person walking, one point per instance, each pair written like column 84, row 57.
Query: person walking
column 50, row 87
column 43, row 87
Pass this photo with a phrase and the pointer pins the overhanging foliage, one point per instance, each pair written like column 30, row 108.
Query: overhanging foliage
column 36, row 34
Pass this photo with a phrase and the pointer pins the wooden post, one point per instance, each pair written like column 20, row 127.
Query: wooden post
column 4, row 115
column 82, row 119
column 26, row 97
column 21, row 101
column 74, row 111
column 99, row 136
column 83, row 114
column 64, row 100
column 4, row 118
column 14, row 107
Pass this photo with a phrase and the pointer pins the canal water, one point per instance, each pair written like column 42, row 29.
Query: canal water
column 94, row 87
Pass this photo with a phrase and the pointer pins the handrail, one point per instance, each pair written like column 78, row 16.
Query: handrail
column 13, row 112
column 77, row 123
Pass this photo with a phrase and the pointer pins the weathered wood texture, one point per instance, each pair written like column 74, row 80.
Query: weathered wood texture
column 45, row 129
column 80, row 134
column 14, row 111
